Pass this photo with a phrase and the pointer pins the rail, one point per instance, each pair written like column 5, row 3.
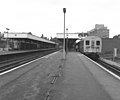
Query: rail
column 14, row 62
column 114, row 69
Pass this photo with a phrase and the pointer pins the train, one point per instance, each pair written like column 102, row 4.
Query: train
column 91, row 46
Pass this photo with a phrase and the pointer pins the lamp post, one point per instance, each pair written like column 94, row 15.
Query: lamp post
column 67, row 40
column 64, row 11
column 7, row 38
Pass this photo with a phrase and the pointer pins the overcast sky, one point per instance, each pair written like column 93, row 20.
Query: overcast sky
column 46, row 16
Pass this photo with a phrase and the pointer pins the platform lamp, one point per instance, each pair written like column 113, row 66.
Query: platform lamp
column 64, row 11
column 67, row 40
column 7, row 37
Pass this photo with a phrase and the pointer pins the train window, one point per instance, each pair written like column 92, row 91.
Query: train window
column 97, row 42
column 87, row 42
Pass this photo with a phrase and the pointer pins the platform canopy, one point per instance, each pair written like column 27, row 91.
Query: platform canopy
column 72, row 35
column 26, row 35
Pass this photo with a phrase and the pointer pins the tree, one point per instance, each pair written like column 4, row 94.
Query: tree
column 116, row 36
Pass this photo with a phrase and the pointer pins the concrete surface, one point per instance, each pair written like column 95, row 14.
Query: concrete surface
column 31, row 81
column 78, row 82
column 108, row 81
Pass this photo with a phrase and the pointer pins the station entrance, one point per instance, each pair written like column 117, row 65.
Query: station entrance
column 69, row 44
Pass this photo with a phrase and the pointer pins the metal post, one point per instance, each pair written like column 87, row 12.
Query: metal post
column 64, row 11
column 67, row 40
column 7, row 39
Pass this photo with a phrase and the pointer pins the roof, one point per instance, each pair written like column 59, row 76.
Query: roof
column 26, row 35
column 67, row 35
column 92, row 37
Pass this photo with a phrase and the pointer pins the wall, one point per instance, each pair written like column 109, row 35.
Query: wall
column 108, row 45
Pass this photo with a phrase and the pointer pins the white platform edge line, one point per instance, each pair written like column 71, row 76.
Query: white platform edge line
column 116, row 76
column 28, row 63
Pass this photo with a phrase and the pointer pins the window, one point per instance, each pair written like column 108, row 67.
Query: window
column 97, row 42
column 87, row 42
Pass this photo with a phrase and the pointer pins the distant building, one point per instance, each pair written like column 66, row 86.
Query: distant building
column 99, row 30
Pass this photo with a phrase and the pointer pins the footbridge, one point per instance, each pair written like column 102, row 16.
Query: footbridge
column 70, row 39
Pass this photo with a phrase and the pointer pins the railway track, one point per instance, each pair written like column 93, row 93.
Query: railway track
column 114, row 69
column 14, row 62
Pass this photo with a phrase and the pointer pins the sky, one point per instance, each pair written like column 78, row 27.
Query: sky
column 47, row 17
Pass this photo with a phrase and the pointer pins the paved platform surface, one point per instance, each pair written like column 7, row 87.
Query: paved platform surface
column 79, row 83
column 81, row 79
column 17, row 51
column 12, row 52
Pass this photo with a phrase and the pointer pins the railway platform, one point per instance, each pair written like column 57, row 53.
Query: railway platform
column 30, row 81
column 80, row 79
column 11, row 52
column 16, row 52
column 83, row 80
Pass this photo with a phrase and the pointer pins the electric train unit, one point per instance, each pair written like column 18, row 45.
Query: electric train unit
column 90, row 46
